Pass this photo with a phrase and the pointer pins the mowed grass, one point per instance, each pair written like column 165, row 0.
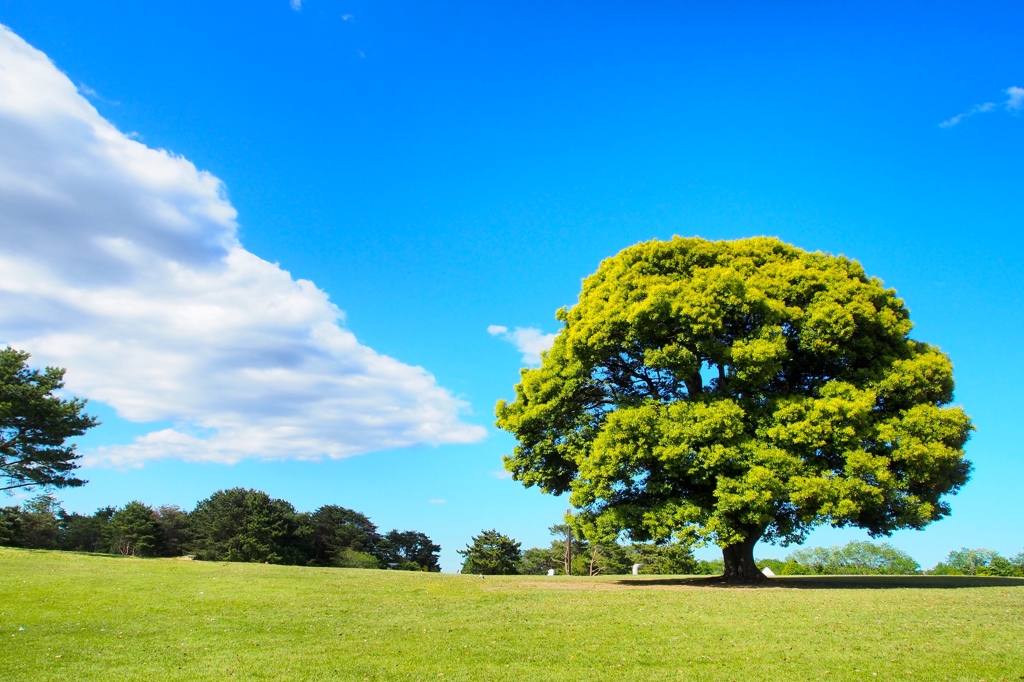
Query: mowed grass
column 88, row 617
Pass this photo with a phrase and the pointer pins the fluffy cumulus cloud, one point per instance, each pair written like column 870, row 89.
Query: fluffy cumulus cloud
column 529, row 341
column 1014, row 102
column 122, row 263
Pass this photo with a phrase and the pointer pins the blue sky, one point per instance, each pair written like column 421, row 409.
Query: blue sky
column 438, row 170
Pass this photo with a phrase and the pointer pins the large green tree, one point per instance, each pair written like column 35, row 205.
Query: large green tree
column 731, row 391
column 410, row 550
column 244, row 525
column 35, row 424
column 335, row 532
column 135, row 530
column 491, row 553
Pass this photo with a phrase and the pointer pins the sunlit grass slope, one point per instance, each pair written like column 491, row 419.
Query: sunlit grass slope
column 103, row 618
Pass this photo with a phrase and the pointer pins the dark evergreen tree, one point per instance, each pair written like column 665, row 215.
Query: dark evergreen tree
column 81, row 533
column 135, row 530
column 491, row 553
column 174, row 537
column 38, row 526
column 244, row 525
column 334, row 533
column 409, row 550
column 35, row 424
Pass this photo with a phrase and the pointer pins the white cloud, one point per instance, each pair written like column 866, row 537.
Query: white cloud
column 501, row 474
column 296, row 5
column 122, row 263
column 436, row 501
column 529, row 341
column 1014, row 98
column 976, row 109
column 1014, row 102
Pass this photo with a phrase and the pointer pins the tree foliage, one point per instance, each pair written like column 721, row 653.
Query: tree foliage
column 174, row 531
column 37, row 525
column 230, row 525
column 671, row 558
column 135, row 530
column 538, row 561
column 409, row 550
column 854, row 558
column 82, row 533
column 729, row 391
column 980, row 562
column 35, row 425
column 243, row 525
column 491, row 553
column 342, row 537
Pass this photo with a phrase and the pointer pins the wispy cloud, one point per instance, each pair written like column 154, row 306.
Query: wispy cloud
column 296, row 5
column 437, row 501
column 529, row 341
column 976, row 109
column 123, row 264
column 501, row 474
column 92, row 94
column 1014, row 102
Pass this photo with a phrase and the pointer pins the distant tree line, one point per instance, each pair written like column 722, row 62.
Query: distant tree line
column 492, row 553
column 981, row 562
column 866, row 558
column 854, row 558
column 230, row 525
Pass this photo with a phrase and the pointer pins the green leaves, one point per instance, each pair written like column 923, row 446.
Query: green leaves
column 491, row 553
column 730, row 389
column 35, row 425
column 135, row 530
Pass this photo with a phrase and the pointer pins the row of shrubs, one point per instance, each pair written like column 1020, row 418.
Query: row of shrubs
column 230, row 525
column 494, row 553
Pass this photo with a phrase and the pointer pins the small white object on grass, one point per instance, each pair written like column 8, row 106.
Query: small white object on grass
column 768, row 573
column 551, row 572
column 481, row 576
column 636, row 569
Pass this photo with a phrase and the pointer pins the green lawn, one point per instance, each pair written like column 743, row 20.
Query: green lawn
column 88, row 617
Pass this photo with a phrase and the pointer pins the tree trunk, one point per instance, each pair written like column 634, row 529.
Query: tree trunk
column 739, row 562
column 568, row 551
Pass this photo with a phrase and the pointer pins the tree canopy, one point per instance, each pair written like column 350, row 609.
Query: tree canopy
column 341, row 537
column 491, row 553
column 857, row 558
column 409, row 550
column 230, row 525
column 735, row 390
column 135, row 530
column 244, row 525
column 35, row 425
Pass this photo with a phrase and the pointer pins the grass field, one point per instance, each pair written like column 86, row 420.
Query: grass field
column 88, row 617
